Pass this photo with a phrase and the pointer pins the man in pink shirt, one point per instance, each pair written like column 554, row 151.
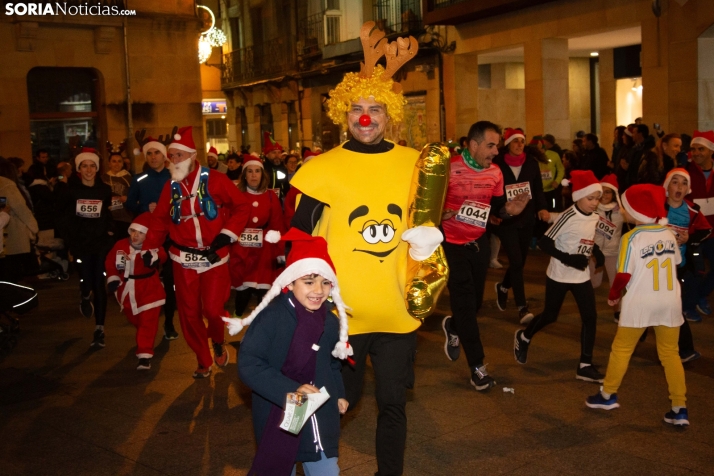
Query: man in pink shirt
column 475, row 196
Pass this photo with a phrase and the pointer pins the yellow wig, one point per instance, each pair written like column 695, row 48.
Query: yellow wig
column 353, row 87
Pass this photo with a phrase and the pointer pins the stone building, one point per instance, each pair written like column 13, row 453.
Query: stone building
column 561, row 66
column 284, row 56
column 64, row 76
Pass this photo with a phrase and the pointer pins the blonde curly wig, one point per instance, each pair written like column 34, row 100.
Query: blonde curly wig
column 353, row 87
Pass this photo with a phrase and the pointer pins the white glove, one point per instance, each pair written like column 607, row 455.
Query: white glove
column 423, row 241
column 234, row 325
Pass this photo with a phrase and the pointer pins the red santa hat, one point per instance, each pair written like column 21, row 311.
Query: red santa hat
column 672, row 173
column 212, row 151
column 152, row 143
column 308, row 256
column 629, row 129
column 705, row 138
column 645, row 203
column 510, row 134
column 610, row 181
column 250, row 160
column 141, row 223
column 87, row 153
column 269, row 144
column 183, row 140
column 583, row 183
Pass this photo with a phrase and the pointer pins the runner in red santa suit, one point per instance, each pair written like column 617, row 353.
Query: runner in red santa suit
column 253, row 263
column 202, row 212
column 137, row 287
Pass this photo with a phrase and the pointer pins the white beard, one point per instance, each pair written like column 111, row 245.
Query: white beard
column 180, row 171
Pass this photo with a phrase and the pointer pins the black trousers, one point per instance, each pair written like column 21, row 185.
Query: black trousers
column 468, row 265
column 585, row 298
column 243, row 298
column 515, row 241
column 167, row 277
column 392, row 357
column 91, row 279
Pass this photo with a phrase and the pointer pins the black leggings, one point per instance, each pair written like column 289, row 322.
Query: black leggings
column 515, row 241
column 91, row 275
column 585, row 298
column 243, row 297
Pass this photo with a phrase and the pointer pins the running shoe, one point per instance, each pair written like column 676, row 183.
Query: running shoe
column 704, row 307
column 520, row 347
column 86, row 307
column 692, row 316
column 220, row 354
column 144, row 364
column 598, row 401
column 202, row 373
column 589, row 374
column 170, row 333
column 691, row 357
column 452, row 347
column 524, row 315
column 501, row 297
column 98, row 339
column 481, row 380
column 679, row 418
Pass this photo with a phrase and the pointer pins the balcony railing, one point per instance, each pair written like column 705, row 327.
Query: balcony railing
column 398, row 16
column 311, row 35
column 260, row 61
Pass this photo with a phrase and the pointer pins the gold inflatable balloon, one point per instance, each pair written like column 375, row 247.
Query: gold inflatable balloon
column 426, row 279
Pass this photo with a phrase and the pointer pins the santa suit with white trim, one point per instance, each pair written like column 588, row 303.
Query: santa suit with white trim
column 140, row 292
column 253, row 263
column 202, row 288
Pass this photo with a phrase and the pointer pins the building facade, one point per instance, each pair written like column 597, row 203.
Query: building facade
column 70, row 80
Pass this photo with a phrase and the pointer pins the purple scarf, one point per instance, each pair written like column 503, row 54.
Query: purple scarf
column 278, row 449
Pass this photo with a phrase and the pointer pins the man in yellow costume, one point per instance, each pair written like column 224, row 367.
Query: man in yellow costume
column 357, row 197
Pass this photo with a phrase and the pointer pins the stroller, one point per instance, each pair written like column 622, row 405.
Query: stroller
column 17, row 299
column 51, row 257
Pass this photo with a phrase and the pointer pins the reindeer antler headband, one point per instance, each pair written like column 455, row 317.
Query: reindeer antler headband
column 374, row 80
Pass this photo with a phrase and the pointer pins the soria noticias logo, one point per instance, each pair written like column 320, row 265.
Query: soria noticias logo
column 71, row 8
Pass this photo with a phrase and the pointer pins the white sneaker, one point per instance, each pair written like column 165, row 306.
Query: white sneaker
column 495, row 264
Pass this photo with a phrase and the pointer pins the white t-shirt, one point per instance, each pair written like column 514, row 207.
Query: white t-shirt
column 573, row 233
column 650, row 254
column 609, row 230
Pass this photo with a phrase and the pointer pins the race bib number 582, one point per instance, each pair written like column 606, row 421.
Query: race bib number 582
column 193, row 260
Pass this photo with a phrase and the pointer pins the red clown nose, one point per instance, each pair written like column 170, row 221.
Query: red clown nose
column 365, row 120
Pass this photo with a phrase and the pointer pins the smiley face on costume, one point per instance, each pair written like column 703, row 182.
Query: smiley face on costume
column 376, row 230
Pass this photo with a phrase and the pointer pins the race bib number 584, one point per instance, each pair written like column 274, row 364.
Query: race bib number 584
column 252, row 238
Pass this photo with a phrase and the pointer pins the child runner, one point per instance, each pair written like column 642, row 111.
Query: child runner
column 608, row 233
column 646, row 268
column 289, row 348
column 570, row 244
column 137, row 288
column 690, row 228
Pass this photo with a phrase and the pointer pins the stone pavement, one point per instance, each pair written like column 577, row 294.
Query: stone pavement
column 67, row 410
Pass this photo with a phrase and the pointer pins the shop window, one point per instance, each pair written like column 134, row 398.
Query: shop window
column 216, row 128
column 64, row 110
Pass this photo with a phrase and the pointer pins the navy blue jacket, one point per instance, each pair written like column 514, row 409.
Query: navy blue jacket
column 262, row 354
column 145, row 189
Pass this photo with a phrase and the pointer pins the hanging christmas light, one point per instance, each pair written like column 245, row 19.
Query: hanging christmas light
column 212, row 37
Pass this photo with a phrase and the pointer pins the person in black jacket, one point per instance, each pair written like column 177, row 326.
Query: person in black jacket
column 520, row 173
column 293, row 347
column 90, row 229
column 595, row 158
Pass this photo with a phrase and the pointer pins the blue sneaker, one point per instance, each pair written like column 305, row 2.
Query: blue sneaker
column 598, row 401
column 704, row 307
column 692, row 316
column 680, row 418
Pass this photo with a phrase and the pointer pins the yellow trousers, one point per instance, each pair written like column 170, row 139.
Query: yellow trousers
column 668, row 351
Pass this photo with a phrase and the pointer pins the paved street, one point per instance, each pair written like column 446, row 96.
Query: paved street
column 67, row 410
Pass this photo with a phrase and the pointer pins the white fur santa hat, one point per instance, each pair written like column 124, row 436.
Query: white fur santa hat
column 583, row 183
column 677, row 171
column 87, row 153
column 510, row 134
column 152, row 143
column 213, row 152
column 645, row 203
column 308, row 256
column 705, row 138
column 141, row 223
column 183, row 140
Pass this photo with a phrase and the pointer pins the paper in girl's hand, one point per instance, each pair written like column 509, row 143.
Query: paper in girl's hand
column 299, row 407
